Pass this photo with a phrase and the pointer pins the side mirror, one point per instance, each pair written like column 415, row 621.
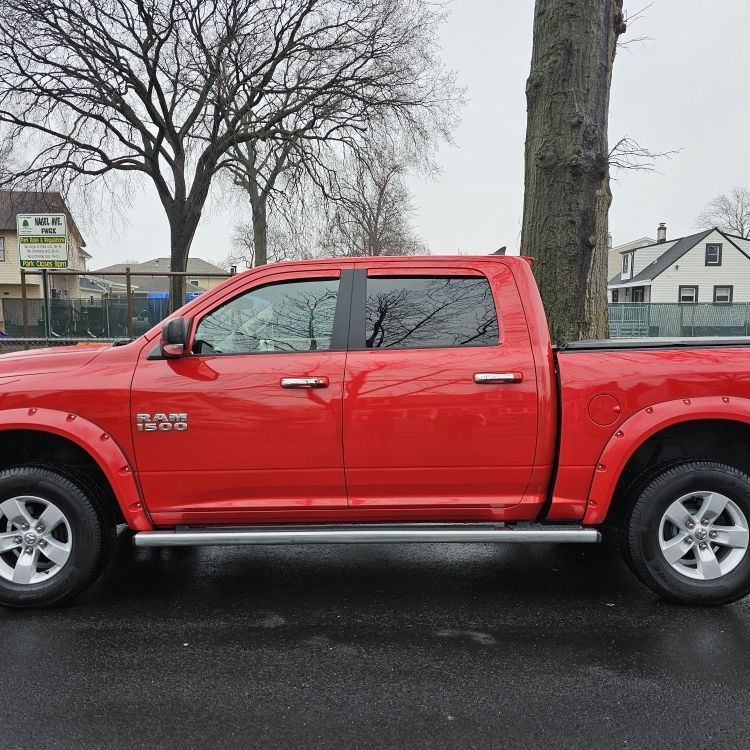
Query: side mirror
column 174, row 335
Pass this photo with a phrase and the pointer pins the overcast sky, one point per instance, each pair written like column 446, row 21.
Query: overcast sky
column 684, row 89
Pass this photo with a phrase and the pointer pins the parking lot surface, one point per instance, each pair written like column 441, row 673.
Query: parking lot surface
column 440, row 646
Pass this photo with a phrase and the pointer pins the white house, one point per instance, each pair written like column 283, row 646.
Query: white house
column 710, row 266
column 614, row 257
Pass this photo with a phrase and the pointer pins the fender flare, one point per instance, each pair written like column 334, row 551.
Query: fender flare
column 639, row 427
column 98, row 444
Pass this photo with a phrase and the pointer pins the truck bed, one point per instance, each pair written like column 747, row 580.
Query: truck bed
column 696, row 342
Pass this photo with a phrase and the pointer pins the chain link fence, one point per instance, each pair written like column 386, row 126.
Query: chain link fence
column 47, row 315
column 50, row 320
column 656, row 319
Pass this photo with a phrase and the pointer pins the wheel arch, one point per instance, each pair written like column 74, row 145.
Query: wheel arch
column 691, row 428
column 51, row 426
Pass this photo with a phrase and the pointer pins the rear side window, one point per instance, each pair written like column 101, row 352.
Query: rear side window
column 294, row 316
column 430, row 311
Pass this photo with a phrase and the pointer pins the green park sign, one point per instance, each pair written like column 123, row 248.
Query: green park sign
column 42, row 240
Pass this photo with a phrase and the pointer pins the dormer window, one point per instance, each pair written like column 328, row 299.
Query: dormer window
column 626, row 264
column 713, row 254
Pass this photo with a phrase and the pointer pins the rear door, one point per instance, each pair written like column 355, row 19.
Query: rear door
column 440, row 405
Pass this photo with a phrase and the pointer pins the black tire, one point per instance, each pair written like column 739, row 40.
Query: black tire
column 619, row 512
column 88, row 523
column 641, row 533
column 98, row 498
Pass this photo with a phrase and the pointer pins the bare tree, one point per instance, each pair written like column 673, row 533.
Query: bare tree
column 258, row 169
column 169, row 89
column 567, row 157
column 629, row 155
column 276, row 173
column 626, row 155
column 292, row 235
column 728, row 211
column 370, row 211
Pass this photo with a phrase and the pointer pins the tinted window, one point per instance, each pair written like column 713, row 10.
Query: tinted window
column 435, row 311
column 290, row 317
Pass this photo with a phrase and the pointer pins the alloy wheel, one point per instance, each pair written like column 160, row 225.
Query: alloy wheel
column 704, row 535
column 36, row 540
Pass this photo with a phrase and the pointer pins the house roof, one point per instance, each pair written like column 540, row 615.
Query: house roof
column 198, row 266
column 14, row 202
column 735, row 236
column 106, row 284
column 140, row 284
column 92, row 285
column 671, row 255
column 633, row 245
column 161, row 284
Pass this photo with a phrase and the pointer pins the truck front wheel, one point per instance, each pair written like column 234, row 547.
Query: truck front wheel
column 52, row 538
column 686, row 535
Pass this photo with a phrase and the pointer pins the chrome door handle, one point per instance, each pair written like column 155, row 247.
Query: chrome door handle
column 490, row 378
column 313, row 382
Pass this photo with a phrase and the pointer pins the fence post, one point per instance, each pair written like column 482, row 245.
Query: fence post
column 692, row 319
column 129, row 295
column 45, row 292
column 24, row 310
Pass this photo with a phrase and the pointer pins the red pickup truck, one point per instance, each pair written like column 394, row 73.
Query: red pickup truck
column 376, row 400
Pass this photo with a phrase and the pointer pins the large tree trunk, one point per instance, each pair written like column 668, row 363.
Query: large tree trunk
column 259, row 208
column 182, row 226
column 596, row 310
column 566, row 159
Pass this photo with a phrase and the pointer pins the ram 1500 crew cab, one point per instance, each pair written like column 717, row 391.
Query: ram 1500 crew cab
column 376, row 400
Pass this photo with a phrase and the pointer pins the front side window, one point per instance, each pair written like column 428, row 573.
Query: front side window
column 723, row 293
column 626, row 264
column 436, row 311
column 294, row 316
column 638, row 294
column 615, row 295
column 2, row 249
column 713, row 254
column 688, row 294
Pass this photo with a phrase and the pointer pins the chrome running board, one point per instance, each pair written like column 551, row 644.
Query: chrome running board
column 474, row 533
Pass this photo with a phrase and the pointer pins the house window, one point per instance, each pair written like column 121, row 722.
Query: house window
column 2, row 249
column 637, row 294
column 194, row 281
column 615, row 295
column 723, row 293
column 713, row 254
column 688, row 294
column 626, row 264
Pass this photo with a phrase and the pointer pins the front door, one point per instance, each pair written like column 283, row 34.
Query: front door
column 423, row 429
column 260, row 393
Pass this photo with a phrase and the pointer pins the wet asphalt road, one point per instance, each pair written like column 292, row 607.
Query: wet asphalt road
column 439, row 646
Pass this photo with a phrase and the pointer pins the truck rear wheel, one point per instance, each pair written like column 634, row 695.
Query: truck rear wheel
column 686, row 535
column 52, row 538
